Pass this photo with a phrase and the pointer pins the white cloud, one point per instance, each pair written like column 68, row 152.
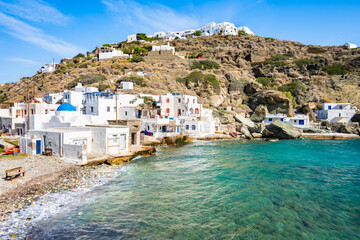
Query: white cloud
column 156, row 17
column 23, row 60
column 34, row 10
column 25, row 32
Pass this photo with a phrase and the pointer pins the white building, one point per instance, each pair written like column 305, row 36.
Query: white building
column 73, row 137
column 164, row 48
column 132, row 38
column 336, row 112
column 104, row 104
column 127, row 85
column 209, row 29
column 77, row 97
column 299, row 120
column 350, row 45
column 53, row 98
column 174, row 105
column 17, row 115
column 48, row 68
column 109, row 53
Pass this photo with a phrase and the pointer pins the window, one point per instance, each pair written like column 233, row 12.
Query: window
column 187, row 127
column 341, row 107
column 281, row 119
column 91, row 109
column 193, row 100
column 32, row 111
column 148, row 128
column 329, row 107
column 114, row 139
column 193, row 127
column 108, row 109
column 294, row 121
column 167, row 100
column 125, row 113
column 188, row 100
column 197, row 111
column 179, row 100
column 270, row 119
column 114, row 109
column 168, row 110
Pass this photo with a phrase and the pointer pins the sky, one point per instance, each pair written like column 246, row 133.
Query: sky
column 34, row 32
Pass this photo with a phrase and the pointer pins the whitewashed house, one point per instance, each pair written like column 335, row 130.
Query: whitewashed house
column 299, row 120
column 110, row 53
column 48, row 68
column 104, row 104
column 132, row 38
column 336, row 112
column 174, row 105
column 17, row 115
column 77, row 97
column 53, row 98
column 73, row 137
column 127, row 85
column 163, row 48
column 350, row 45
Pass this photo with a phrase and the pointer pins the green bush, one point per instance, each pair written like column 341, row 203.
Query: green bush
column 102, row 87
column 137, row 59
column 86, row 80
column 106, row 45
column 205, row 64
column 290, row 96
column 199, row 77
column 316, row 50
column 336, row 69
column 241, row 33
column 267, row 82
column 197, row 33
column 236, row 86
column 294, row 87
column 278, row 60
column 80, row 55
column 303, row 62
column 137, row 80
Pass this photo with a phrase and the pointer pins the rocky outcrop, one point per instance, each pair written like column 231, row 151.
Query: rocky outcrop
column 356, row 118
column 259, row 114
column 281, row 130
column 246, row 121
column 275, row 101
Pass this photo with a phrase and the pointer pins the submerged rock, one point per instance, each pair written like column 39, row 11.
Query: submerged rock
column 281, row 130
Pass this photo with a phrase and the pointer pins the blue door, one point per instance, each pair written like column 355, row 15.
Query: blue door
column 177, row 129
column 301, row 122
column 38, row 146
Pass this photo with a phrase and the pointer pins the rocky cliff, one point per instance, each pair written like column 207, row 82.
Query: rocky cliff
column 241, row 72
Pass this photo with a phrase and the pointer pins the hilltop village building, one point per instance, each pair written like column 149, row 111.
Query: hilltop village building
column 350, row 45
column 209, row 29
column 106, row 53
column 48, row 68
column 336, row 112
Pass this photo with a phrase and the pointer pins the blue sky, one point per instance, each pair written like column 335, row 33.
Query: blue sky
column 33, row 32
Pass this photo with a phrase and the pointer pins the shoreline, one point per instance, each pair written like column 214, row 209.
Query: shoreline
column 71, row 177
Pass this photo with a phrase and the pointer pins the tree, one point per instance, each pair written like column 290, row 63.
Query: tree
column 197, row 33
column 80, row 55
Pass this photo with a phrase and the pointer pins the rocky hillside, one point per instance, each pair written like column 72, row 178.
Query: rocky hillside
column 241, row 72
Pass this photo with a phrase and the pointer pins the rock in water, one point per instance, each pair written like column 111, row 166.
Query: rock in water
column 281, row 130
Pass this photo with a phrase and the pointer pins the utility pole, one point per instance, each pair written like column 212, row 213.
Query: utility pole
column 28, row 106
column 116, row 106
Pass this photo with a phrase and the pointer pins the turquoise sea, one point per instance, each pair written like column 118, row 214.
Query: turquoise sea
column 295, row 189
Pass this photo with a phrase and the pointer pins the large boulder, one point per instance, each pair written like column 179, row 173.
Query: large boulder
column 281, row 130
column 275, row 101
column 246, row 121
column 259, row 114
column 246, row 132
column 356, row 118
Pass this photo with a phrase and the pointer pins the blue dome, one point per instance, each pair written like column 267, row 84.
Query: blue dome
column 66, row 107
